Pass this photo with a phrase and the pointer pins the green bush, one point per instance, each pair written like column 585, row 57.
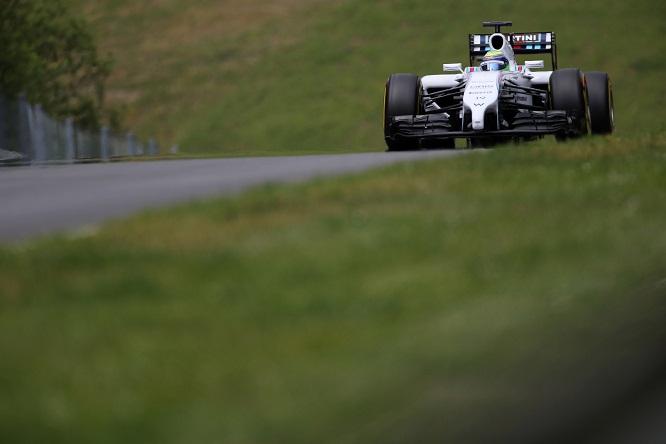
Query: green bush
column 52, row 58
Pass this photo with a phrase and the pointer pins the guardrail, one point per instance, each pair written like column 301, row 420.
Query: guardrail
column 28, row 135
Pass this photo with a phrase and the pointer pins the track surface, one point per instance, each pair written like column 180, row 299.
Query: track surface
column 37, row 201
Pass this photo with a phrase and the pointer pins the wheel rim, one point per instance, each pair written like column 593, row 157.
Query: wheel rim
column 611, row 106
column 588, row 123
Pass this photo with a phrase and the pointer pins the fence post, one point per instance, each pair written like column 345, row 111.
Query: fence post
column 69, row 140
column 36, row 130
column 39, row 133
column 152, row 147
column 4, row 122
column 104, row 142
column 24, row 127
column 130, row 144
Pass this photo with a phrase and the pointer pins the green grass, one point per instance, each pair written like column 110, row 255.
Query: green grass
column 237, row 77
column 512, row 293
column 512, row 288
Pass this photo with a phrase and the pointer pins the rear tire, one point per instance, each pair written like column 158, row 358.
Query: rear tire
column 567, row 93
column 600, row 102
column 401, row 98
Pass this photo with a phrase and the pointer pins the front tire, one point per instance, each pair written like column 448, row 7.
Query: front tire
column 401, row 98
column 600, row 102
column 567, row 93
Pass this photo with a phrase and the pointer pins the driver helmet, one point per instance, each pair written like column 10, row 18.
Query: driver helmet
column 494, row 61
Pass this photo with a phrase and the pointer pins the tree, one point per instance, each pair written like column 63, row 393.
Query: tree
column 51, row 57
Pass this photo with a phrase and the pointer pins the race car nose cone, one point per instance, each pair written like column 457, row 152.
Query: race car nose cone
column 481, row 95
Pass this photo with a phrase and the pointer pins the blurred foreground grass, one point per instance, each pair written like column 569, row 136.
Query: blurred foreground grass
column 485, row 298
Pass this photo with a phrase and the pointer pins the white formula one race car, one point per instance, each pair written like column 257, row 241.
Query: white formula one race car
column 499, row 100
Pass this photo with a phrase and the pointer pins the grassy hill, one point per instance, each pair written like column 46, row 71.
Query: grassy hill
column 299, row 75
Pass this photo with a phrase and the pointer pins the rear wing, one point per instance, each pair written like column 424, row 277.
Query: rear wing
column 521, row 42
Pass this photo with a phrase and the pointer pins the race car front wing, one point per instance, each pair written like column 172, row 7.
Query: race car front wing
column 525, row 124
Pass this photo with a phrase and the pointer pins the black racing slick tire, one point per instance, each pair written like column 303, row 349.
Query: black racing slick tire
column 600, row 102
column 567, row 93
column 401, row 98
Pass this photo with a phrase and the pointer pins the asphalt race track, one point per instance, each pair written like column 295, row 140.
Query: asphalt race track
column 37, row 201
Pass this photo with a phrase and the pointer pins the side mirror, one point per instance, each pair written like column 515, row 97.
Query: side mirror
column 534, row 63
column 457, row 67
